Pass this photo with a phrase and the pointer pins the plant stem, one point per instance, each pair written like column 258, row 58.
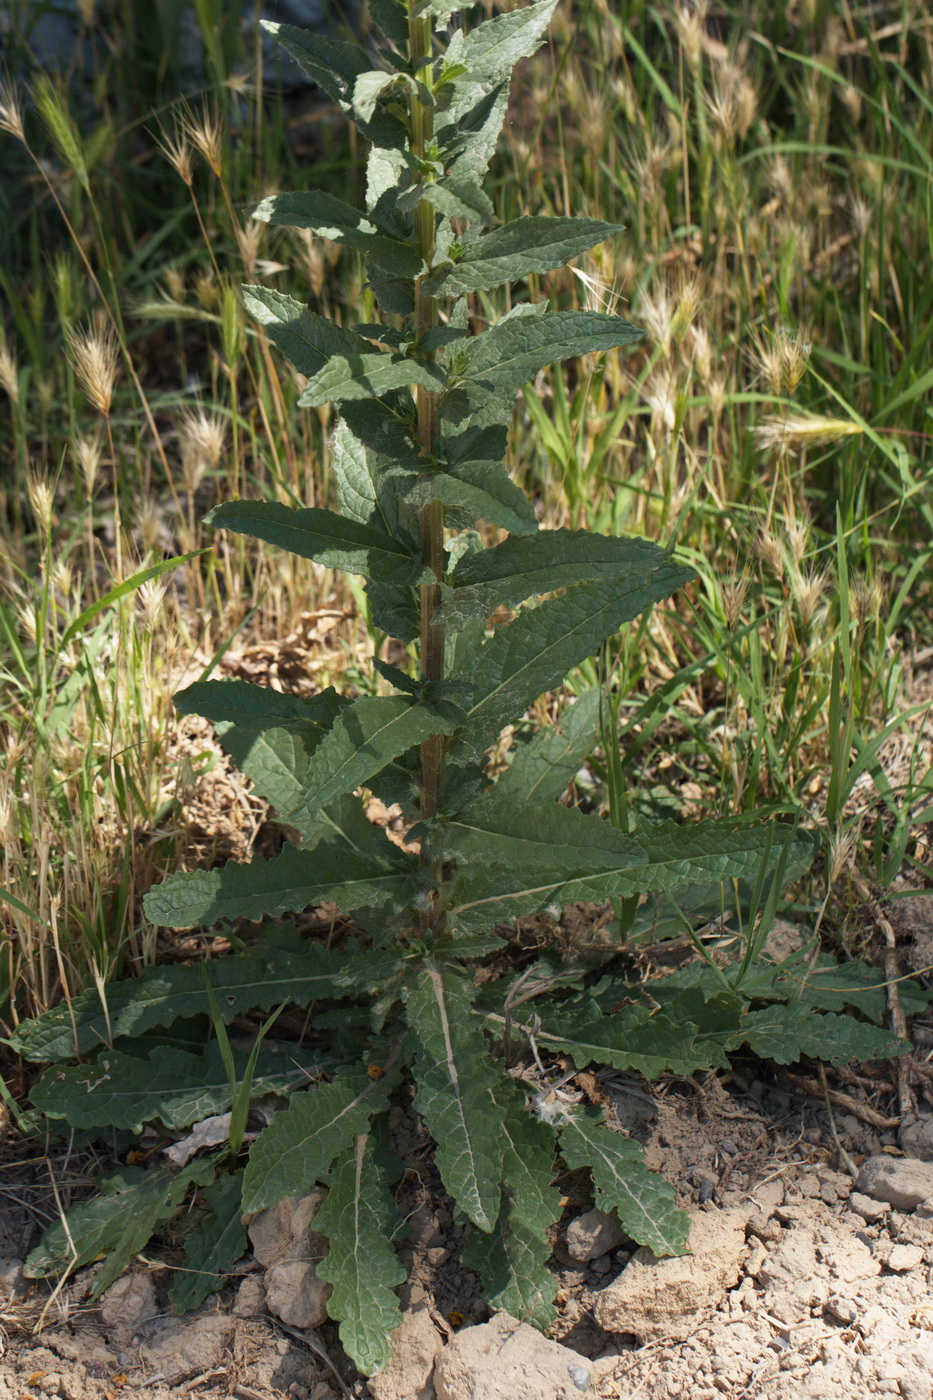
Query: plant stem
column 420, row 33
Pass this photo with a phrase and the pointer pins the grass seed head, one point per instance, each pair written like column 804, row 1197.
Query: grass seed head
column 803, row 430
column 840, row 851
column 9, row 370
column 40, row 492
column 202, row 436
column 808, row 587
column 206, row 134
column 88, row 453
column 96, row 360
column 177, row 151
column 11, row 114
column 733, row 599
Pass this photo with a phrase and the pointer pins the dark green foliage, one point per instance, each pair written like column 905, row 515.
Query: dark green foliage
column 418, row 448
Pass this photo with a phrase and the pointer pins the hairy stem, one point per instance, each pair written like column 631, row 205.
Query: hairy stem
column 420, row 33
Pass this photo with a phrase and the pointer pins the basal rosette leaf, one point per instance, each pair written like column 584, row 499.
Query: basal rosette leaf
column 456, row 1086
column 638, row 1038
column 122, row 1090
column 785, row 1033
column 512, row 1260
column 287, row 883
column 117, row 1222
column 214, row 1246
column 644, row 1201
column 261, row 978
column 360, row 1219
column 299, row 1145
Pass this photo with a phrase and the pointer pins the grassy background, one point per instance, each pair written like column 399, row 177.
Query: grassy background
column 773, row 166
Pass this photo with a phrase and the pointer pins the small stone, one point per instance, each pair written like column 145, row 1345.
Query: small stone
column 251, row 1297
column 282, row 1232
column 809, row 1185
column 868, row 1208
column 915, row 1135
column 902, row 1181
column 841, row 1310
column 183, row 1347
column 601, row 1265
column 295, row 1294
column 667, row 1297
column 764, row 1227
column 828, row 1193
column 904, row 1257
column 128, row 1302
column 507, row 1360
column 592, row 1235
column 924, row 1210
column 415, row 1346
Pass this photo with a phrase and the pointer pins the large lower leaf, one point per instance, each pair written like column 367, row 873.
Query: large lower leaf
column 342, row 223
column 365, row 737
column 535, row 651
column 531, row 243
column 636, row 1038
column 513, row 860
column 322, row 535
column 287, row 883
column 520, row 567
column 645, row 1202
column 360, row 1219
column 455, row 1091
column 785, row 1033
column 299, row 1145
column 117, row 1222
column 271, row 972
column 120, row 1090
column 214, row 1246
column 512, row 1260
column 542, row 769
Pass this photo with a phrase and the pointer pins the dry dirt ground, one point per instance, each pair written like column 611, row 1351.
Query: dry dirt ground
column 804, row 1284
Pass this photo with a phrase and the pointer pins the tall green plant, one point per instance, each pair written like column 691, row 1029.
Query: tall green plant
column 425, row 401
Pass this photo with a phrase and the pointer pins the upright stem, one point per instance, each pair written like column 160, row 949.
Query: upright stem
column 420, row 33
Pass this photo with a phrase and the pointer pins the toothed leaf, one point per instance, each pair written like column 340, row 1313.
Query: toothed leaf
column 332, row 218
column 530, row 244
column 644, row 1201
column 455, row 1090
column 360, row 1219
column 213, row 1247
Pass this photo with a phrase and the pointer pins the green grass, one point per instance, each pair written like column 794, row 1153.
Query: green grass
column 775, row 175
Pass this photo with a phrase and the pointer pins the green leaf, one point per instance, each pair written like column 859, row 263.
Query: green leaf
column 360, row 1219
column 129, row 585
column 469, row 133
column 395, row 610
column 535, row 651
column 365, row 737
column 368, row 376
column 117, row 1222
column 636, row 1038
column 515, row 859
column 785, row 1033
column 383, row 427
column 323, row 535
column 341, row 223
column 332, row 63
column 121, row 1090
column 307, row 339
column 289, row 882
column 512, row 1260
column 484, row 490
column 514, row 570
column 160, row 995
column 455, row 1091
column 491, row 50
column 299, row 1145
column 530, row 244
column 542, row 769
column 459, row 198
column 497, row 363
column 257, row 706
column 645, row 1202
column 213, row 1247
